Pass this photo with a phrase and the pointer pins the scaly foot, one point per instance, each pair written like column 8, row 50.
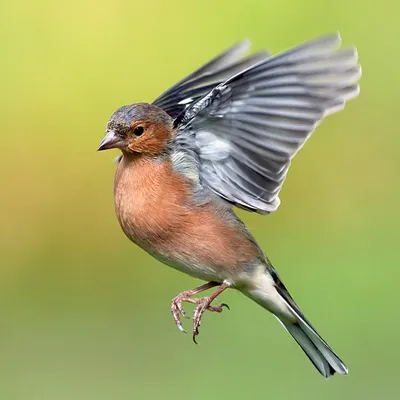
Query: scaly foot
column 203, row 305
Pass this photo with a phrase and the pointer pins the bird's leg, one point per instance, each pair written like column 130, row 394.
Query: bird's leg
column 205, row 304
column 176, row 304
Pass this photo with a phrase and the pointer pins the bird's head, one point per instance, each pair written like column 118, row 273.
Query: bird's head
column 139, row 128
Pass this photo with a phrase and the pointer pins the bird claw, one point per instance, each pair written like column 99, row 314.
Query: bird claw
column 226, row 306
column 182, row 311
column 181, row 328
column 195, row 333
column 204, row 304
column 178, row 311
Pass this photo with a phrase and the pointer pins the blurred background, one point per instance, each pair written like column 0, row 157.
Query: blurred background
column 85, row 313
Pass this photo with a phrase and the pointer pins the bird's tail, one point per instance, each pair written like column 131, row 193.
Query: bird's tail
column 317, row 350
column 273, row 296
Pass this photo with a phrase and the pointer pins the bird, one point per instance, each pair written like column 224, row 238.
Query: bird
column 224, row 137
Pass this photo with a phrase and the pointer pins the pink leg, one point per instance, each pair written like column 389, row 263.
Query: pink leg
column 203, row 305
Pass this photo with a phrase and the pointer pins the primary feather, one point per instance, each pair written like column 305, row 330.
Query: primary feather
column 192, row 88
column 246, row 130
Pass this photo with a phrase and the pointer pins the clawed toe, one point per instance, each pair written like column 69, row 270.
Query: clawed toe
column 180, row 327
column 199, row 311
column 177, row 311
column 203, row 304
column 226, row 306
column 181, row 310
column 218, row 308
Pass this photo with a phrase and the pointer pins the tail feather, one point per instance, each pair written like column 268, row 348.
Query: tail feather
column 318, row 351
column 309, row 348
column 271, row 293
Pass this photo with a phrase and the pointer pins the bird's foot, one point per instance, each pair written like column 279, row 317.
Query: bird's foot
column 203, row 304
column 177, row 309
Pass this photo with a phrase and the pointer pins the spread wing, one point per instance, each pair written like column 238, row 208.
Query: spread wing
column 246, row 130
column 191, row 89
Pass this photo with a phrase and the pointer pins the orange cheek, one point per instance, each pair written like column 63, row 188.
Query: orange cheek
column 134, row 147
column 148, row 145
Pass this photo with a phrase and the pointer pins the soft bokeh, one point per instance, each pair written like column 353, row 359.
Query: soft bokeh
column 85, row 313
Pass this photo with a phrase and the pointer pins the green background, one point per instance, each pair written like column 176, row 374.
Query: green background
column 84, row 314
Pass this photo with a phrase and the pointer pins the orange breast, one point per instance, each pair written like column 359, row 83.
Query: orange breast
column 155, row 208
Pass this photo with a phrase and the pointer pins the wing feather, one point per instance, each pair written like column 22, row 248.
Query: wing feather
column 192, row 88
column 249, row 127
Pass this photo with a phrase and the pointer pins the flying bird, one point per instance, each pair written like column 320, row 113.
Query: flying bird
column 222, row 137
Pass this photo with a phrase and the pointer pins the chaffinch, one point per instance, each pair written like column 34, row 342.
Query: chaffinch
column 224, row 136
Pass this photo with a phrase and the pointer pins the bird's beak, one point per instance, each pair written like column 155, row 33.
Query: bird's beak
column 111, row 141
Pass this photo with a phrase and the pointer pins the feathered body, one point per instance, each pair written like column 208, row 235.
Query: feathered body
column 225, row 136
column 196, row 234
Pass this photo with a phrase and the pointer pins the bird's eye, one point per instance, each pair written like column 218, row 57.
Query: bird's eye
column 138, row 130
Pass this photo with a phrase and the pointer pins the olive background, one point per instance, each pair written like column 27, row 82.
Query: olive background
column 84, row 314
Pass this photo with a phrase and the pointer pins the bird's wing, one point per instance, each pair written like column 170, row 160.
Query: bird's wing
column 246, row 130
column 191, row 89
